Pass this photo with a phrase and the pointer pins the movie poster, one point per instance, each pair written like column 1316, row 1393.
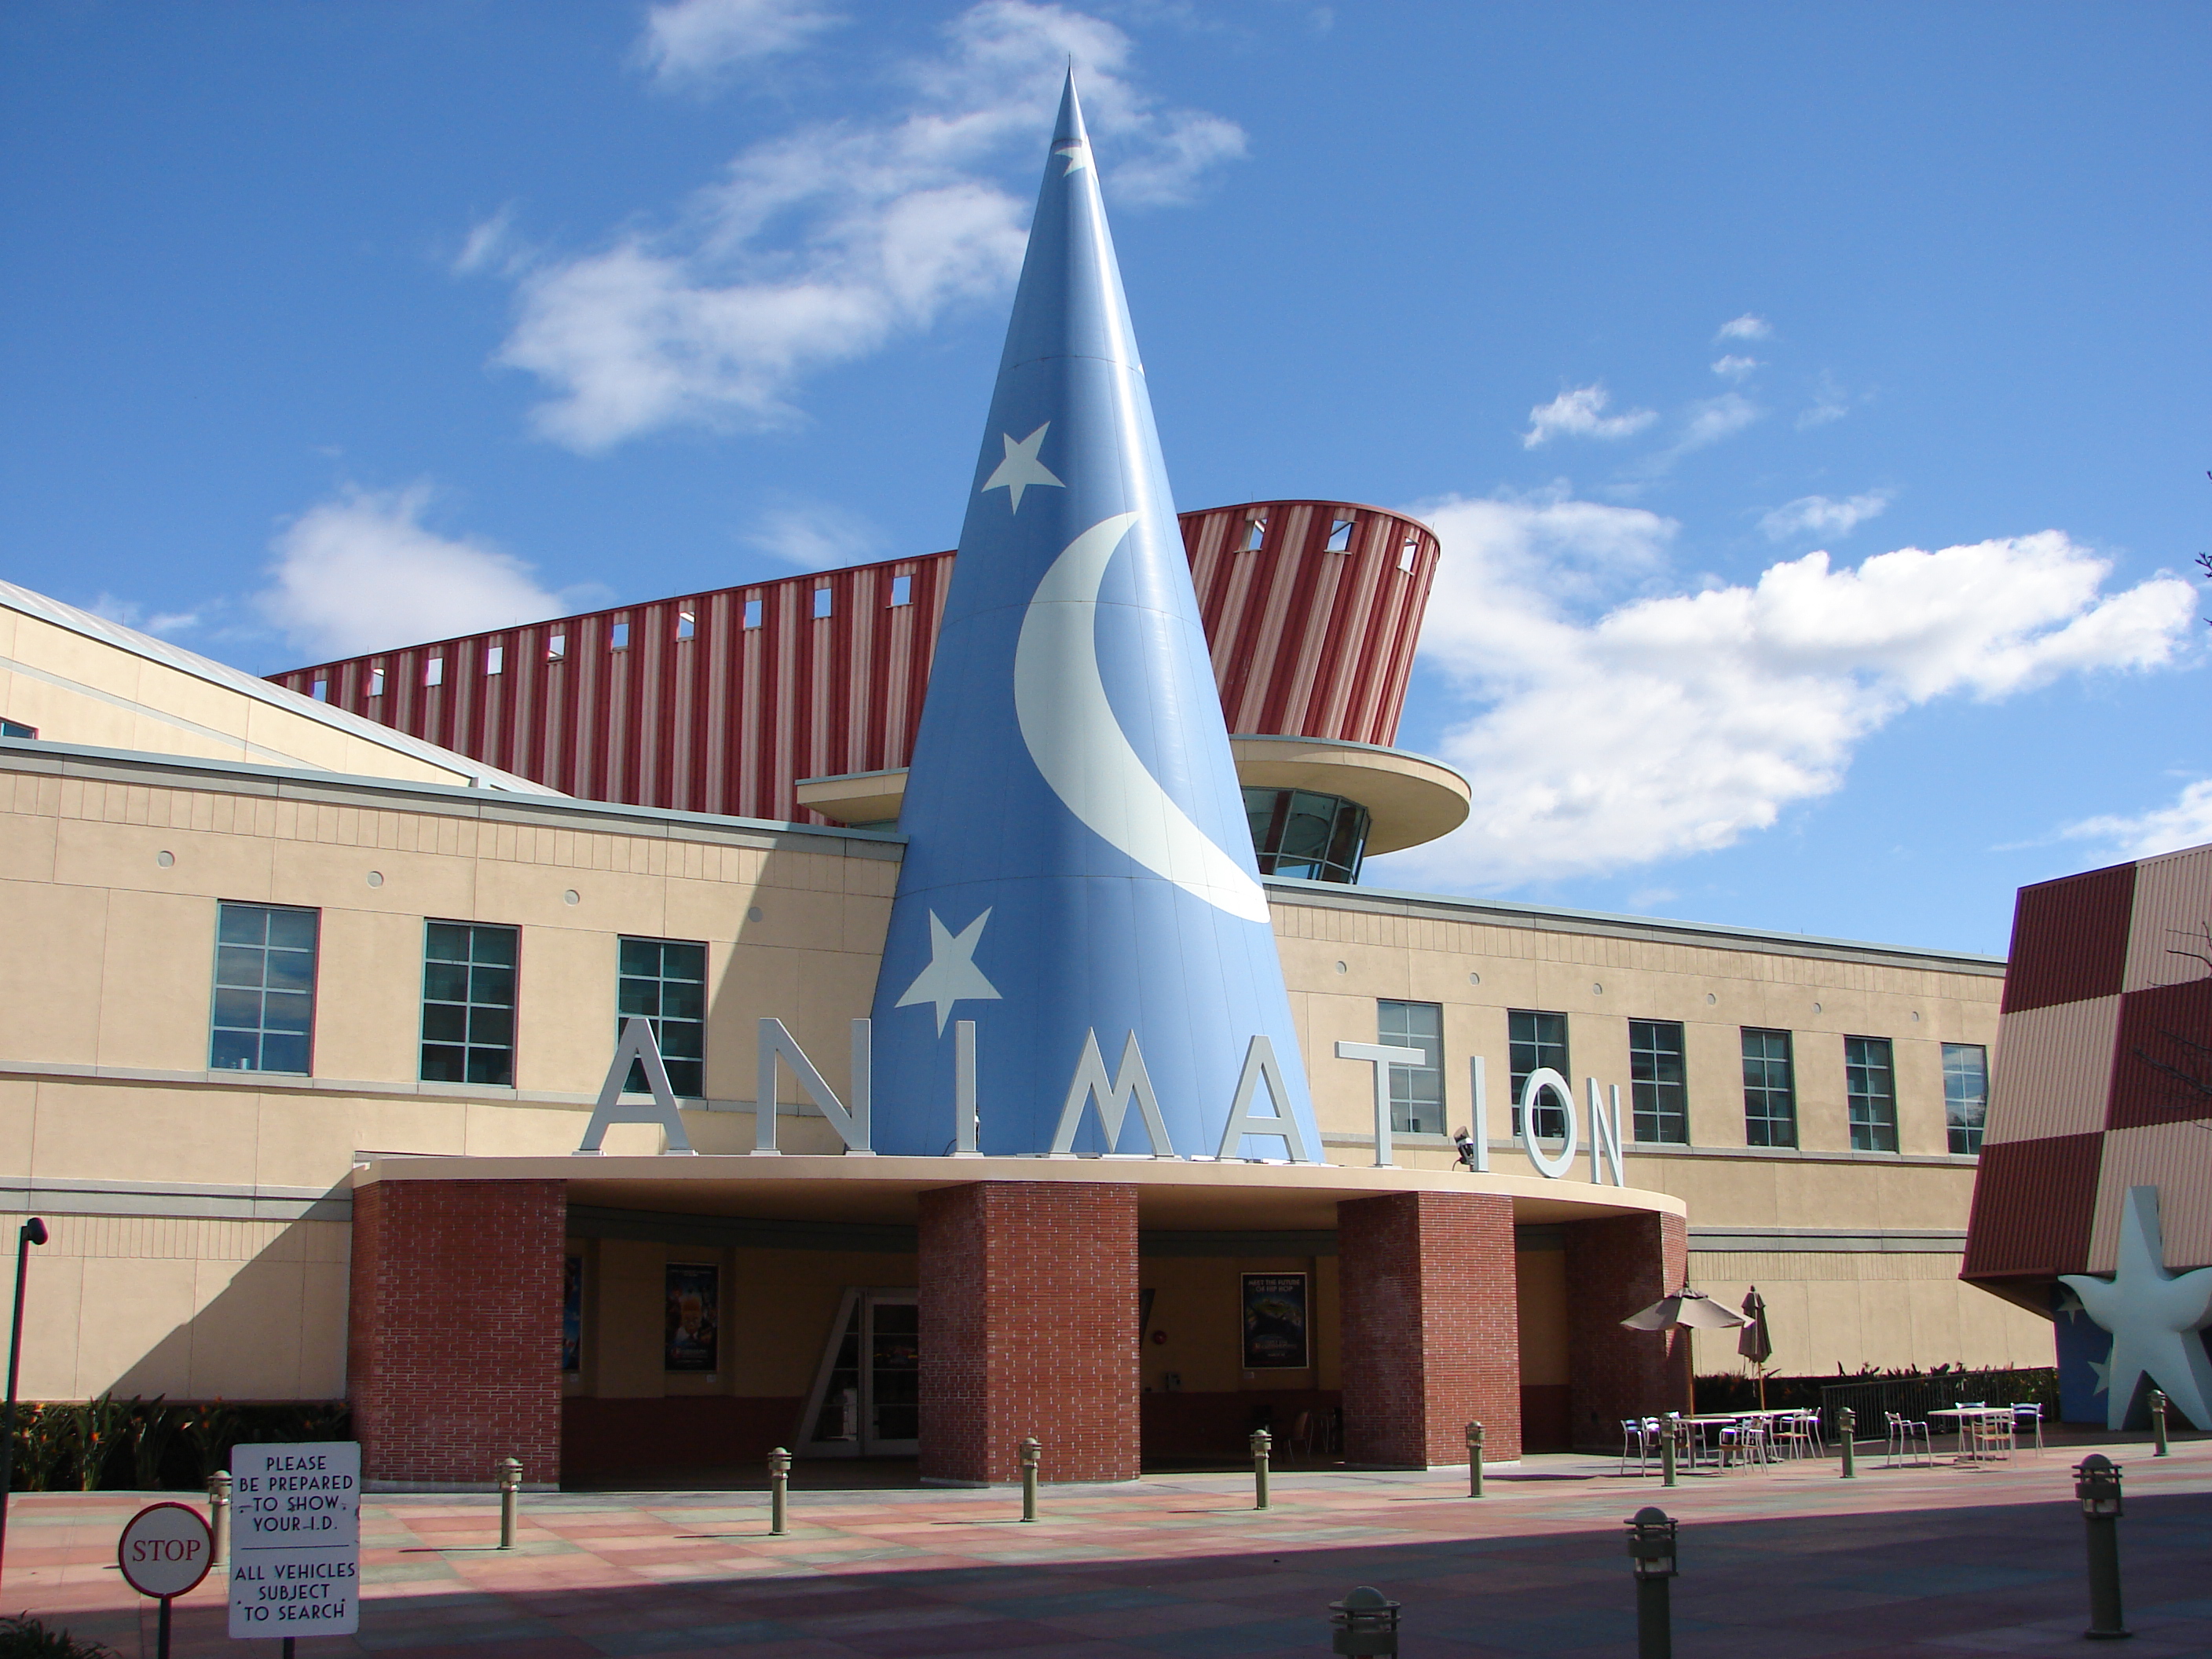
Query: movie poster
column 693, row 1317
column 1275, row 1322
column 572, row 1313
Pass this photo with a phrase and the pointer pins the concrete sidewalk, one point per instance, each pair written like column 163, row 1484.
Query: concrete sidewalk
column 1776, row 1563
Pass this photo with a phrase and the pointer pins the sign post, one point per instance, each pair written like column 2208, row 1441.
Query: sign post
column 164, row 1552
column 296, row 1540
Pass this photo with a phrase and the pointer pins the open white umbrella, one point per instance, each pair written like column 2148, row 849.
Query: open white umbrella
column 1687, row 1310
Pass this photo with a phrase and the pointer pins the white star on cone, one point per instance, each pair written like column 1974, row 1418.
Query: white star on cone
column 2156, row 1317
column 1021, row 468
column 952, row 976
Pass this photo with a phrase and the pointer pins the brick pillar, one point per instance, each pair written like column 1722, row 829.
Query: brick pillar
column 1614, row 1268
column 1431, row 1328
column 1029, row 1326
column 454, row 1340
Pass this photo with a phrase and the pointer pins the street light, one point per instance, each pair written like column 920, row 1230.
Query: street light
column 2097, row 1484
column 34, row 1232
column 1366, row 1625
column 1652, row 1549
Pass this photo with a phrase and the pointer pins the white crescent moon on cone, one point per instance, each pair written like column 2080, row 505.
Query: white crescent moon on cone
column 1060, row 697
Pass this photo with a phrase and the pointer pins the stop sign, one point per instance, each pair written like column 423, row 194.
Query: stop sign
column 165, row 1550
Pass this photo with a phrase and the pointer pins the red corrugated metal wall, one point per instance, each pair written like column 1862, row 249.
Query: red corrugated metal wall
column 680, row 703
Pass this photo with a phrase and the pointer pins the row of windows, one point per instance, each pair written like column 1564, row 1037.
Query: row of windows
column 1659, row 1080
column 264, row 998
column 1339, row 539
column 556, row 645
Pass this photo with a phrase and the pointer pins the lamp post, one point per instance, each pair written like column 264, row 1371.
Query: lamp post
column 34, row 1232
column 1365, row 1625
column 1474, row 1459
column 2158, row 1446
column 1651, row 1548
column 779, row 1488
column 2097, row 1484
column 1262, row 1443
column 1032, row 1454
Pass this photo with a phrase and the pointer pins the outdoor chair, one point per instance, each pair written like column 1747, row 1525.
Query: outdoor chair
column 1634, row 1441
column 1793, row 1437
column 2027, row 1417
column 1749, row 1441
column 1903, row 1431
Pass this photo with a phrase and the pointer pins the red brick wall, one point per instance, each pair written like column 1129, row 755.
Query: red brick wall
column 1616, row 1267
column 453, row 1344
column 1028, row 1294
column 1431, row 1328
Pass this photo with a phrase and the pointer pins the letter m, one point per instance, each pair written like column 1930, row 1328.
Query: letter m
column 1131, row 1082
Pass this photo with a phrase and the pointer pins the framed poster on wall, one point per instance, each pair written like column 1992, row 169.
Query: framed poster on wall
column 1275, row 1322
column 693, row 1317
column 572, row 1313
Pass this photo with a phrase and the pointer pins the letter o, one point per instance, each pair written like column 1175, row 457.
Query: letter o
column 1532, row 1091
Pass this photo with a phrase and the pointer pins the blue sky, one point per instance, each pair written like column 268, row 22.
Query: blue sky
column 336, row 326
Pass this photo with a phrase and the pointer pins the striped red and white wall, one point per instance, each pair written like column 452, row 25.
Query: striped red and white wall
column 722, row 702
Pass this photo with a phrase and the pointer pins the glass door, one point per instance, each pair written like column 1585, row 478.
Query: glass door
column 867, row 1391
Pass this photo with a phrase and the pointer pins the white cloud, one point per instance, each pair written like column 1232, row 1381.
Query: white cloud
column 816, row 538
column 1746, row 328
column 490, row 246
column 1580, row 413
column 1716, row 418
column 825, row 244
column 2186, row 823
column 698, row 42
column 1828, row 405
column 362, row 574
column 133, row 615
column 1817, row 515
column 1733, row 368
column 1608, row 725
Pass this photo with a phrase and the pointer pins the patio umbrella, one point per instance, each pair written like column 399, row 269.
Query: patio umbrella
column 1687, row 1310
column 1755, row 1345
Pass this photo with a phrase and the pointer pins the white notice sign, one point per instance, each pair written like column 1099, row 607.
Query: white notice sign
column 295, row 1539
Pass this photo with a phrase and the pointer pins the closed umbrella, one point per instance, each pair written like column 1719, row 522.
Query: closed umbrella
column 1755, row 1345
column 1687, row 1310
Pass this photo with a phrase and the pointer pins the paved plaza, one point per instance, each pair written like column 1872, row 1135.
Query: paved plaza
column 1794, row 1561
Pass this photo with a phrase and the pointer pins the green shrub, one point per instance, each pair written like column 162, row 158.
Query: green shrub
column 25, row 1637
column 173, row 1447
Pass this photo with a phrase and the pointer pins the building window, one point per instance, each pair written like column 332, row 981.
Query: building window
column 468, row 1003
column 1870, row 1090
column 376, row 682
column 1657, row 1079
column 1256, row 532
column 264, row 989
column 1297, row 832
column 825, row 599
column 320, row 690
column 556, row 648
column 618, row 637
column 17, row 729
column 1536, row 1041
column 1416, row 1092
column 665, row 980
column 1770, row 1089
column 902, row 589
column 433, row 671
column 1966, row 1094
column 496, row 659
column 687, row 624
column 1410, row 551
column 1340, row 536
column 752, row 613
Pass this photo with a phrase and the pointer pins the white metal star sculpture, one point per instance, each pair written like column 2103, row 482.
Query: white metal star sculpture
column 2156, row 1318
column 1021, row 468
column 1074, row 152
column 952, row 976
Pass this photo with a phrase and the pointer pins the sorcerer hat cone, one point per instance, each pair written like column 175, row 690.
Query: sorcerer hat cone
column 1079, row 868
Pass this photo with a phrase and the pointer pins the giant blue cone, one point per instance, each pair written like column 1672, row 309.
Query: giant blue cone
column 1078, row 860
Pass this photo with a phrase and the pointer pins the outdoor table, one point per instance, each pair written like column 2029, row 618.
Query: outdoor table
column 1966, row 1454
column 1722, row 1419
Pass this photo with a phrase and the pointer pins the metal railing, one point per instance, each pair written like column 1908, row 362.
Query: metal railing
column 1914, row 1397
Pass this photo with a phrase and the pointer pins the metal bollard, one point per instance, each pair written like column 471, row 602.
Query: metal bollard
column 1474, row 1459
column 1364, row 1624
column 1671, row 1428
column 1651, row 1548
column 510, row 1489
column 2158, row 1423
column 1032, row 1454
column 1262, row 1443
column 1847, row 1422
column 2097, row 1484
column 778, row 1489
column 219, row 1515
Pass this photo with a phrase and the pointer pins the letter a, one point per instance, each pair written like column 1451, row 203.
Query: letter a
column 636, row 1046
column 1260, row 1066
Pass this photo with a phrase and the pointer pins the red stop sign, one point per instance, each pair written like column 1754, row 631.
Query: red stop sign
column 165, row 1550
